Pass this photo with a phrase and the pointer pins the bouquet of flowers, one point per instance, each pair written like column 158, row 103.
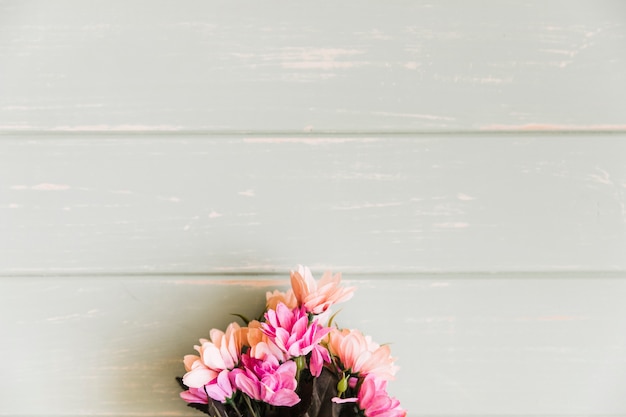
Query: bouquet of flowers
column 289, row 364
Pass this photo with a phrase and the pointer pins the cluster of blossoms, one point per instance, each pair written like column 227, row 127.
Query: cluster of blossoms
column 254, row 370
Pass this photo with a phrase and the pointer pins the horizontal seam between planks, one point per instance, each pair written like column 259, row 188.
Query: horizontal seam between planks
column 539, row 274
column 299, row 134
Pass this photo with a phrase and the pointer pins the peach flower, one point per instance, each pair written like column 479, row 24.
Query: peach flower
column 360, row 355
column 288, row 298
column 260, row 344
column 317, row 297
column 221, row 352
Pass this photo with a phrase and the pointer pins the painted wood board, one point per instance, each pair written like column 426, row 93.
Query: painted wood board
column 196, row 204
column 466, row 344
column 316, row 66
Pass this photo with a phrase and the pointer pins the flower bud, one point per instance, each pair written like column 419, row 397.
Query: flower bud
column 342, row 385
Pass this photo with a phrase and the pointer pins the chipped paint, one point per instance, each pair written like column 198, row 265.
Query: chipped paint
column 247, row 193
column 603, row 177
column 537, row 127
column 465, row 197
column 214, row 215
column 414, row 115
column 367, row 206
column 452, row 225
column 319, row 58
column 309, row 141
column 42, row 187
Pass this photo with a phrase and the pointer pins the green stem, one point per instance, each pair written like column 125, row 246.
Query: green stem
column 232, row 403
column 217, row 412
column 249, row 403
column 300, row 365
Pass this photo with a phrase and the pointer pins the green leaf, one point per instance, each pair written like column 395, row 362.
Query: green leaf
column 242, row 317
column 332, row 318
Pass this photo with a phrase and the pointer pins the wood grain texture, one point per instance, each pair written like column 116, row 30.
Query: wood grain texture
column 196, row 204
column 466, row 344
column 316, row 66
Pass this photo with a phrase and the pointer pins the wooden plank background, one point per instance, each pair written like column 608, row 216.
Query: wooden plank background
column 194, row 204
column 467, row 344
column 463, row 163
column 349, row 66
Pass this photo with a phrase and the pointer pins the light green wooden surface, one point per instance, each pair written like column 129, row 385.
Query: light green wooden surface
column 463, row 163
column 321, row 65
column 195, row 204
column 466, row 344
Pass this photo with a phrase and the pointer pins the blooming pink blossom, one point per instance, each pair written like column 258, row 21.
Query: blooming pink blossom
column 267, row 380
column 291, row 331
column 317, row 297
column 221, row 389
column 375, row 401
column 360, row 355
column 221, row 352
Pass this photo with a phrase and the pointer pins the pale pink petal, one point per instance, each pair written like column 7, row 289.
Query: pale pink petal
column 305, row 272
column 199, row 377
column 212, row 356
column 195, row 395
column 249, row 385
column 338, row 400
column 319, row 356
column 284, row 397
column 299, row 287
column 216, row 336
column 189, row 361
column 221, row 389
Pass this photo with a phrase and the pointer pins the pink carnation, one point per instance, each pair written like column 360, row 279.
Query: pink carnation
column 268, row 381
column 291, row 331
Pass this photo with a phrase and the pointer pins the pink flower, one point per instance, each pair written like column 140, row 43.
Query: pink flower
column 195, row 395
column 360, row 355
column 221, row 352
column 375, row 401
column 267, row 380
column 319, row 356
column 318, row 297
column 221, row 389
column 291, row 331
